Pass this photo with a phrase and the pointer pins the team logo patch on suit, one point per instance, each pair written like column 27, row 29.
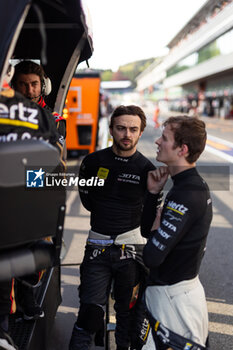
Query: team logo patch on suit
column 177, row 208
column 103, row 173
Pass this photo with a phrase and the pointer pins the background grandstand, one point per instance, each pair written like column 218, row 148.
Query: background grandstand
column 197, row 74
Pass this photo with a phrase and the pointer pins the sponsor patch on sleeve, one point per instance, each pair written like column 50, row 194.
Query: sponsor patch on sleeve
column 158, row 244
column 177, row 208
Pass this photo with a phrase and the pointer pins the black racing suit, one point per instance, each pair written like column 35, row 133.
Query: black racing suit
column 22, row 119
column 115, row 209
column 174, row 252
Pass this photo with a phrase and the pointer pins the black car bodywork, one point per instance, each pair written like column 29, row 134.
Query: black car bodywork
column 56, row 33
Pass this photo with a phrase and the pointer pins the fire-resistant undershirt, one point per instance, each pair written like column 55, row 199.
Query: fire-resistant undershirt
column 115, row 207
column 174, row 251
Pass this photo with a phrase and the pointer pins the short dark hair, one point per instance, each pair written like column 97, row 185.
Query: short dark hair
column 189, row 131
column 129, row 110
column 28, row 67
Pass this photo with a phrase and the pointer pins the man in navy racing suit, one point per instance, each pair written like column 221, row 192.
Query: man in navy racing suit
column 114, row 245
column 177, row 236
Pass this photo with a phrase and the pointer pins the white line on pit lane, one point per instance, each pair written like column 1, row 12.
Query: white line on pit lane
column 219, row 153
column 217, row 139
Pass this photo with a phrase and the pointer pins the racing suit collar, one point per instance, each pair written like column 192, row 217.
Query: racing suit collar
column 184, row 173
column 41, row 102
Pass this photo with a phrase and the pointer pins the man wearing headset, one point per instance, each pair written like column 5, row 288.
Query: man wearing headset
column 13, row 130
column 31, row 81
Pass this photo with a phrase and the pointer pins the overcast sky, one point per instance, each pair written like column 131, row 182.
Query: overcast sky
column 129, row 30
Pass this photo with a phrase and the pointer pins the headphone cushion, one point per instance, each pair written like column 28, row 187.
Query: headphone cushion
column 47, row 86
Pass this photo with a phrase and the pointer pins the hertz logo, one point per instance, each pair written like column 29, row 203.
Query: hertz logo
column 178, row 208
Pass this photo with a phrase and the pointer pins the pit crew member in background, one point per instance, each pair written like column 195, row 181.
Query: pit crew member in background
column 31, row 81
column 20, row 119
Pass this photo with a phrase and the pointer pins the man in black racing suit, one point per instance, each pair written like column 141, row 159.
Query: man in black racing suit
column 20, row 119
column 114, row 245
column 177, row 238
column 31, row 81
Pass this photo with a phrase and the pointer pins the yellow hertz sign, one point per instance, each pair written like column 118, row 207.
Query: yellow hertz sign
column 177, row 211
column 7, row 121
column 19, row 115
column 176, row 207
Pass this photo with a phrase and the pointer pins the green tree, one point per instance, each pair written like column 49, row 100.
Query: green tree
column 210, row 50
column 106, row 75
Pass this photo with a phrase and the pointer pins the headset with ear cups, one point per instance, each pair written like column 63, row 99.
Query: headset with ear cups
column 46, row 86
column 9, row 74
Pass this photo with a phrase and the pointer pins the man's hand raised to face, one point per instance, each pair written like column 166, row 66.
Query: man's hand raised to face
column 156, row 179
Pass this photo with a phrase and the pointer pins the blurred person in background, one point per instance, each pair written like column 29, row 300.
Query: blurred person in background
column 103, row 125
column 156, row 115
